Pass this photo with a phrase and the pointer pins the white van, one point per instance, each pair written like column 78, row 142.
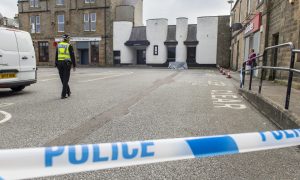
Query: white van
column 17, row 59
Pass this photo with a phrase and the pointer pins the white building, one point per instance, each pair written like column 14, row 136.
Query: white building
column 158, row 43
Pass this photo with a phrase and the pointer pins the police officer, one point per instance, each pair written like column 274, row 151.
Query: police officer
column 64, row 60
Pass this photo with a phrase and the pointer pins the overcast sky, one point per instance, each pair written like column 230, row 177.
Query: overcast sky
column 170, row 9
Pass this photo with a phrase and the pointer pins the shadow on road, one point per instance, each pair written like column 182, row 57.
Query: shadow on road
column 9, row 93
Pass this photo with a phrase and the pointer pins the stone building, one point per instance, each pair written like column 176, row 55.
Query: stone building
column 262, row 23
column 8, row 22
column 157, row 43
column 248, row 30
column 284, row 26
column 89, row 22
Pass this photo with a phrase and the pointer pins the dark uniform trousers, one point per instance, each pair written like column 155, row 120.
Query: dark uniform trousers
column 64, row 68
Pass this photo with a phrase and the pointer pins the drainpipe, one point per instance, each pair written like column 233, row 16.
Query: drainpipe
column 105, row 36
column 267, row 28
column 265, row 57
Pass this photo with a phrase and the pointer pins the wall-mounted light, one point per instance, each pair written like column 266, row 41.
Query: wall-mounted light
column 291, row 1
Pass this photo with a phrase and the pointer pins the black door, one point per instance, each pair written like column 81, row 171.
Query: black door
column 191, row 55
column 84, row 56
column 237, row 55
column 274, row 57
column 141, row 56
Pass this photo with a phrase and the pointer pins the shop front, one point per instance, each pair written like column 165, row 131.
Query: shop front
column 86, row 49
column 252, row 36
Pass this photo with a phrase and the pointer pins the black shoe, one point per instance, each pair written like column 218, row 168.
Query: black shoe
column 63, row 97
column 69, row 93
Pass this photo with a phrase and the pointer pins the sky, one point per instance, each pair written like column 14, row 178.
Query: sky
column 170, row 9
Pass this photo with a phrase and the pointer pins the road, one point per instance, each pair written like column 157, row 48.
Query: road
column 115, row 104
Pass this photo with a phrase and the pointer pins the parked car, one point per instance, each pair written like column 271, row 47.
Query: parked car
column 17, row 59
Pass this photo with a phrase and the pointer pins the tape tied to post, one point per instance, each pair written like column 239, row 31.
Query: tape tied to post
column 50, row 161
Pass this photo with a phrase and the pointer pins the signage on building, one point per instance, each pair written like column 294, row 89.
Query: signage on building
column 253, row 25
column 80, row 39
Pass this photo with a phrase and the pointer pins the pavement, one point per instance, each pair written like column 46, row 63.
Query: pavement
column 117, row 104
column 274, row 93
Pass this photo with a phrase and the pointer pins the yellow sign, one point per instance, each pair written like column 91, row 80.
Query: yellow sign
column 7, row 76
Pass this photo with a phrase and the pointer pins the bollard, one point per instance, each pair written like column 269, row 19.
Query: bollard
column 224, row 72
column 228, row 75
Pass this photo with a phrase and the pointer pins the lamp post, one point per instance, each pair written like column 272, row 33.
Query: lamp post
column 230, row 24
column 230, row 2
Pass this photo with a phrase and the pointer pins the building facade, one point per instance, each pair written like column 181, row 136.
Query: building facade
column 88, row 22
column 250, row 34
column 259, row 24
column 157, row 43
column 8, row 22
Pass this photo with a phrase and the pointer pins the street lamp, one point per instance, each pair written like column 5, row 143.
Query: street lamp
column 230, row 2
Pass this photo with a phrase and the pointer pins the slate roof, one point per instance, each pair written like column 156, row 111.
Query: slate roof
column 171, row 37
column 192, row 35
column 138, row 37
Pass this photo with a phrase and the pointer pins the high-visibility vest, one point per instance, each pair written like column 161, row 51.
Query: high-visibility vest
column 63, row 51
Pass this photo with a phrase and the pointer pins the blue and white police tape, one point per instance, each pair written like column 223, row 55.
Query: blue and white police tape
column 39, row 162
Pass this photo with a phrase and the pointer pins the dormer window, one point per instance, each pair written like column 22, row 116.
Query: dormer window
column 34, row 3
column 60, row 2
column 89, row 1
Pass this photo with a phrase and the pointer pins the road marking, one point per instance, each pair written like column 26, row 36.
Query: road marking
column 46, row 75
column 7, row 117
column 96, row 74
column 216, row 83
column 106, row 77
column 226, row 99
column 80, row 75
column 5, row 105
column 44, row 80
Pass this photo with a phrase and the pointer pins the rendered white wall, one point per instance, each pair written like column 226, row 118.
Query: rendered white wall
column 207, row 35
column 121, row 34
column 157, row 30
column 181, row 36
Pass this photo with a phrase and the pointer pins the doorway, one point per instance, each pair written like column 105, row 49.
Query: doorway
column 191, row 55
column 141, row 56
column 274, row 58
column 84, row 56
column 237, row 55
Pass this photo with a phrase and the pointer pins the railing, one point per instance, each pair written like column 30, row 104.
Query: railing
column 291, row 69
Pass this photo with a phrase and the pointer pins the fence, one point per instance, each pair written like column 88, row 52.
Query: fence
column 291, row 69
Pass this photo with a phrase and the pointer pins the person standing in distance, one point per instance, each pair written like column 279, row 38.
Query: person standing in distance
column 65, row 58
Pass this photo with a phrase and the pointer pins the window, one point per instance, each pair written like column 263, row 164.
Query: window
column 95, row 52
column 35, row 24
column 34, row 3
column 117, row 57
column 248, row 7
column 259, row 2
column 233, row 16
column 155, row 50
column 240, row 10
column 93, row 21
column 60, row 2
column 43, row 51
column 89, row 21
column 89, row 1
column 61, row 23
column 86, row 20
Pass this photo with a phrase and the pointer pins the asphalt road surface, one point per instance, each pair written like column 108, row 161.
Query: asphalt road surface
column 115, row 105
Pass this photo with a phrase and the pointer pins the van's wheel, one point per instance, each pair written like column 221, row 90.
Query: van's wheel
column 17, row 89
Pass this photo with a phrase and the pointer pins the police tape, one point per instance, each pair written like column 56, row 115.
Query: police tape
column 41, row 162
